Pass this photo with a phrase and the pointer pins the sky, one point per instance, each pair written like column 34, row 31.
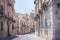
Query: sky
column 24, row 6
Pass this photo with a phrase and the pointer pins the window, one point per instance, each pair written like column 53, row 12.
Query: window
column 2, row 9
column 12, row 27
column 1, row 26
column 9, row 2
column 58, row 5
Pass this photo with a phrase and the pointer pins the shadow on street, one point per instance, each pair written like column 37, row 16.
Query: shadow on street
column 9, row 38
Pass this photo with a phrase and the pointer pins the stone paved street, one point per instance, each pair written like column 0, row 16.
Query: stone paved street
column 24, row 37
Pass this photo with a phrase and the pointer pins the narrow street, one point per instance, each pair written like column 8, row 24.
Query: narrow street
column 23, row 37
column 29, row 19
column 28, row 37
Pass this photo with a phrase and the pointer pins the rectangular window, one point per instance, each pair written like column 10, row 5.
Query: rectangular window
column 12, row 27
column 1, row 26
column 58, row 5
column 2, row 9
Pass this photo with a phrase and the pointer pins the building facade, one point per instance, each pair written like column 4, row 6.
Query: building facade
column 22, row 23
column 47, row 16
column 6, row 17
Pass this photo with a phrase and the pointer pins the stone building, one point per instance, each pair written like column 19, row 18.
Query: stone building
column 22, row 23
column 47, row 19
column 6, row 17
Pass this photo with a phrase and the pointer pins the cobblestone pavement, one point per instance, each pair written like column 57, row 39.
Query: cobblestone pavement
column 23, row 37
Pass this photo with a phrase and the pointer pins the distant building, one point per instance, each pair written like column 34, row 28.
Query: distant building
column 22, row 23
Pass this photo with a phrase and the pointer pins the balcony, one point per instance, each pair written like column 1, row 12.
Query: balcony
column 11, row 19
column 6, row 17
column 3, row 15
column 44, row 5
